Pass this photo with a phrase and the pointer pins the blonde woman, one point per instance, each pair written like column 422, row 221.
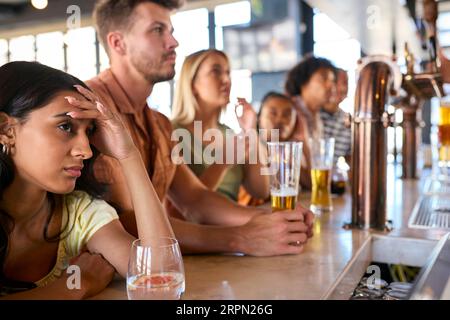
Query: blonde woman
column 202, row 92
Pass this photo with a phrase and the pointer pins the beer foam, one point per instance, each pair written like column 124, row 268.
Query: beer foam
column 321, row 168
column 284, row 192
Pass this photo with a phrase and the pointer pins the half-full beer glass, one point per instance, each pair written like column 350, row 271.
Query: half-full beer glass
column 444, row 133
column 322, row 151
column 284, row 165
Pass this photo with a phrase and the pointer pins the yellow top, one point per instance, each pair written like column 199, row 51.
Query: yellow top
column 86, row 215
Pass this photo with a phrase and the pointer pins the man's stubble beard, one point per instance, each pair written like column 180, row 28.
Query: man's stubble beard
column 151, row 72
column 155, row 78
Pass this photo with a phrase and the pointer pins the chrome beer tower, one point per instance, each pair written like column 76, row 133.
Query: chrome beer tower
column 380, row 79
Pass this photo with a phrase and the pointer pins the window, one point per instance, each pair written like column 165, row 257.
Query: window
column 228, row 15
column 334, row 43
column 443, row 22
column 81, row 57
column 444, row 38
column 241, row 87
column 3, row 51
column 50, row 49
column 22, row 48
column 443, row 26
column 104, row 60
column 191, row 31
column 262, row 48
column 236, row 13
column 160, row 99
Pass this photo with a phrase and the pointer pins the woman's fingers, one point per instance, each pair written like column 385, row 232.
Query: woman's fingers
column 107, row 114
column 242, row 100
column 86, row 93
column 82, row 104
column 239, row 110
column 88, row 105
column 84, row 114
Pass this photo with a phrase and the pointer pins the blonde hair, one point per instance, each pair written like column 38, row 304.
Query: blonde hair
column 185, row 104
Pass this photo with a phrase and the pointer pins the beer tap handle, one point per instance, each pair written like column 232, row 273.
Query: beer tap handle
column 430, row 14
column 388, row 119
column 409, row 58
column 433, row 52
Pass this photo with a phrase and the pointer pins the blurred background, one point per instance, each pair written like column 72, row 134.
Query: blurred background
column 263, row 38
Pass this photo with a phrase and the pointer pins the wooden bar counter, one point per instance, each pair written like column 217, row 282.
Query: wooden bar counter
column 304, row 276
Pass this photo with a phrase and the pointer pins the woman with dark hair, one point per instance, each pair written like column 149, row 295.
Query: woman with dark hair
column 277, row 112
column 50, row 212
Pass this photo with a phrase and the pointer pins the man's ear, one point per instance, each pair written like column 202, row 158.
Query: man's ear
column 116, row 42
column 7, row 124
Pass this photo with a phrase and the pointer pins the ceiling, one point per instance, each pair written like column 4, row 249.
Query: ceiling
column 378, row 24
column 6, row 2
column 13, row 1
column 394, row 25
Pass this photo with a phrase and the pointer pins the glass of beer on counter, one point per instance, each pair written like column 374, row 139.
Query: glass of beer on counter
column 284, row 161
column 444, row 133
column 322, row 151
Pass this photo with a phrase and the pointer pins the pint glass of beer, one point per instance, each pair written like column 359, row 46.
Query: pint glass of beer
column 444, row 133
column 284, row 165
column 322, row 151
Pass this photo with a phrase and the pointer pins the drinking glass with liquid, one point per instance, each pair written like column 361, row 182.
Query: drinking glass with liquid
column 284, row 165
column 339, row 177
column 444, row 132
column 322, row 151
column 155, row 270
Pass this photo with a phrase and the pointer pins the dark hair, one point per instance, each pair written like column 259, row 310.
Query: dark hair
column 25, row 87
column 116, row 14
column 300, row 75
column 269, row 95
column 340, row 71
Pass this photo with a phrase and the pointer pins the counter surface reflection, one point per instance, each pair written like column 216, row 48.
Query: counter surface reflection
column 304, row 276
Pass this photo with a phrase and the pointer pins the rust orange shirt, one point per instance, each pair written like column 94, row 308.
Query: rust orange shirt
column 151, row 133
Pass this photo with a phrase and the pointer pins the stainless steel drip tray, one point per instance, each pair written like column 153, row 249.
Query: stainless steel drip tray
column 384, row 249
column 437, row 185
column 433, row 281
column 431, row 211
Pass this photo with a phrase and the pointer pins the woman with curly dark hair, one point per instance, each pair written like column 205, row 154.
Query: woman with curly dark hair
column 310, row 85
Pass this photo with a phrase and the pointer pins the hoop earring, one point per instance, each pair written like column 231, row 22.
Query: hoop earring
column 5, row 149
